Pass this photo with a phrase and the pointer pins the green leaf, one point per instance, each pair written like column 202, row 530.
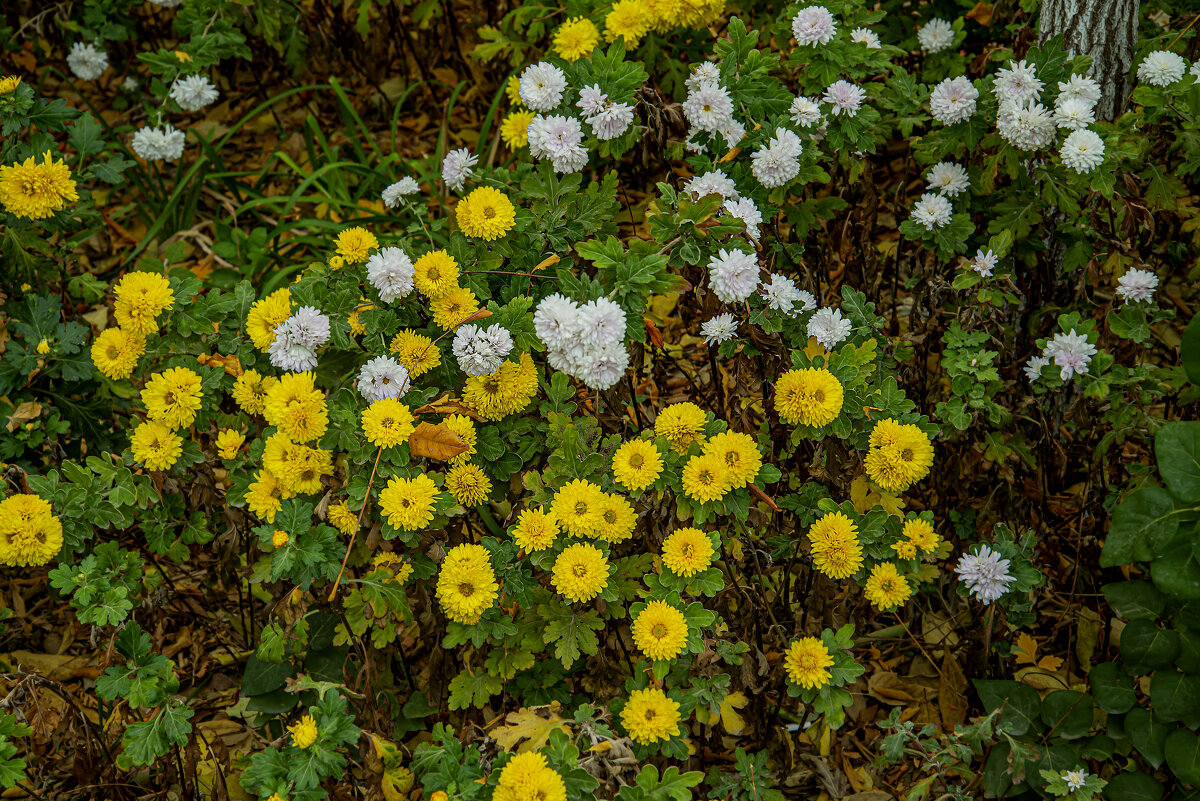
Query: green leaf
column 146, row 741
column 1182, row 750
column 1020, row 703
column 1143, row 525
column 1146, row 647
column 1112, row 688
column 1174, row 696
column 1133, row 787
column 1189, row 350
column 473, row 689
column 1177, row 447
column 1135, row 599
column 1177, row 572
column 1067, row 713
column 572, row 634
column 1147, row 735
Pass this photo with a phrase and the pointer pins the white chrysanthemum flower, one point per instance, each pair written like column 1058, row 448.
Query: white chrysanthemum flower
column 605, row 366
column 719, row 329
column 706, row 72
column 1018, row 83
column 1083, row 151
column 733, row 275
column 748, row 213
column 932, row 211
column 158, row 144
column 828, row 327
column 781, row 295
column 556, row 320
column 298, row 338
column 390, row 271
column 732, row 132
column 1075, row 779
column 479, row 351
column 612, row 121
column 166, row 3
column 948, row 178
column 130, row 83
column 558, row 139
column 806, row 112
column 194, row 92
column 398, row 191
column 1073, row 113
column 1033, row 367
column 936, row 35
column 984, row 263
column 708, row 107
column 591, row 100
column 1137, row 285
column 382, row 377
column 457, row 168
column 985, row 573
column 865, row 36
column 1028, row 127
column 953, row 100
column 1162, row 68
column 778, row 161
column 813, row 25
column 1195, row 70
column 1080, row 87
column 713, row 182
column 1072, row 353
column 542, row 85
column 601, row 322
column 845, row 97
column 87, row 61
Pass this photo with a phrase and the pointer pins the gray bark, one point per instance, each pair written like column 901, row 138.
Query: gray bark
column 1106, row 30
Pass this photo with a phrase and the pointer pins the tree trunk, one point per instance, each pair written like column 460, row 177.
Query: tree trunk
column 1106, row 30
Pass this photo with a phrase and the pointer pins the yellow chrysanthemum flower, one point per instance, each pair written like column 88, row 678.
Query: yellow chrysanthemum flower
column 527, row 777
column 304, row 733
column 303, row 475
column 660, row 631
column 807, row 662
column 43, row 347
column 705, row 478
column 296, row 407
column 173, row 397
column 899, row 455
column 920, row 533
column 507, row 391
column 580, row 572
column 576, row 38
column 886, row 588
column 515, row 128
column 336, row 262
column 687, row 551
column 650, row 716
column 264, row 496
column 485, row 214
column 340, row 517
column 140, row 298
column 577, row 507
column 435, row 273
column 279, row 452
column 830, row 528
column 466, row 584
column 387, row 423
column 512, row 90
column 30, row 533
column 408, row 502
column 739, row 453
column 266, row 315
column 628, row 19
column 681, row 424
column 355, row 244
column 810, row 397
column 250, row 391
column 464, row 427
column 637, row 464
column 665, row 14
column 357, row 328
column 535, row 530
column 229, row 442
column 905, row 549
column 416, row 352
column 280, row 538
column 155, row 446
column 452, row 308
column 836, row 551
column 8, row 83
column 116, row 352
column 468, row 484
column 394, row 564
column 617, row 519
column 36, row 190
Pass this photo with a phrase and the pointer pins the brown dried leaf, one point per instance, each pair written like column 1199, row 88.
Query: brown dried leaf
column 448, row 405
column 29, row 410
column 952, row 701
column 436, row 442
column 981, row 13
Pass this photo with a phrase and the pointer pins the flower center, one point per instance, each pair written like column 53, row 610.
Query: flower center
column 465, row 589
column 659, row 630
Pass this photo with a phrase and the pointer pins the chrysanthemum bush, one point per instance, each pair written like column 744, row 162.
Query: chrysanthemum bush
column 455, row 423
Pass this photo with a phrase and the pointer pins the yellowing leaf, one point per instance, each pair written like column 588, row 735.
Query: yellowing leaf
column 436, row 442
column 814, row 348
column 29, row 410
column 733, row 722
column 448, row 405
column 1025, row 648
column 529, row 728
column 861, row 495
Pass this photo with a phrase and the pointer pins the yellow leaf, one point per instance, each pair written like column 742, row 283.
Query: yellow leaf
column 436, row 442
column 1025, row 648
column 449, row 405
column 730, row 719
column 813, row 349
column 861, row 495
column 530, row 727
column 29, row 410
